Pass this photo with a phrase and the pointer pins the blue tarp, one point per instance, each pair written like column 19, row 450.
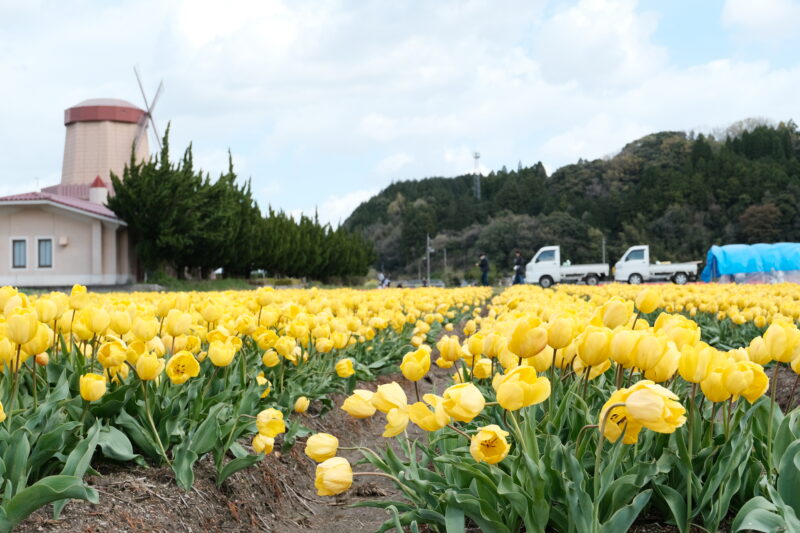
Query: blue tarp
column 734, row 259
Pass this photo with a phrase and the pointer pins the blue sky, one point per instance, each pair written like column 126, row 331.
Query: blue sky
column 325, row 102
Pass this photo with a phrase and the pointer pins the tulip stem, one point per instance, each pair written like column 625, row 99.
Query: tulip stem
column 579, row 437
column 620, row 373
column 416, row 390
column 638, row 314
column 598, row 455
column 451, row 426
column 690, row 468
column 552, row 380
column 153, row 424
column 775, row 375
column 33, row 384
column 14, row 387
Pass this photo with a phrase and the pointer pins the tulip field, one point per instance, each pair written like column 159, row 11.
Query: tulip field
column 573, row 409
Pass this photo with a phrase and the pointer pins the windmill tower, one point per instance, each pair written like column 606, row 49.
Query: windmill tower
column 100, row 135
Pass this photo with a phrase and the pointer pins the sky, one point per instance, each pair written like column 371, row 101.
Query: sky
column 323, row 103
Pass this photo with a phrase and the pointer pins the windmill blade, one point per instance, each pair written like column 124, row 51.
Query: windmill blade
column 150, row 112
column 141, row 130
column 141, row 87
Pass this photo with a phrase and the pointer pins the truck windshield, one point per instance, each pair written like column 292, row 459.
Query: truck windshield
column 635, row 255
column 547, row 255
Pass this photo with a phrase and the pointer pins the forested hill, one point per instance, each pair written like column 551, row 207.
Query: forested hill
column 678, row 192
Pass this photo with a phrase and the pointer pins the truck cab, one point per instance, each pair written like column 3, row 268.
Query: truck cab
column 634, row 267
column 546, row 269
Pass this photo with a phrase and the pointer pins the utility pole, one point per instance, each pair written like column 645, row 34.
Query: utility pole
column 477, row 158
column 604, row 248
column 428, row 257
column 445, row 260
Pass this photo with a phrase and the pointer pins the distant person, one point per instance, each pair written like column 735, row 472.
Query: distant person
column 387, row 282
column 483, row 264
column 519, row 268
column 381, row 279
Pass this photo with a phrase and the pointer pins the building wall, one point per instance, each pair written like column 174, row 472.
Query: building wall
column 94, row 149
column 73, row 256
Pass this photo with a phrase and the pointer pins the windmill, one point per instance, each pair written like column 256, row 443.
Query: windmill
column 148, row 114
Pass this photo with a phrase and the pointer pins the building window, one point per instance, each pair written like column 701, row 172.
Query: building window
column 45, row 253
column 19, row 255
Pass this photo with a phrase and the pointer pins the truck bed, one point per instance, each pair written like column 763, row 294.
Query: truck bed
column 582, row 270
column 672, row 268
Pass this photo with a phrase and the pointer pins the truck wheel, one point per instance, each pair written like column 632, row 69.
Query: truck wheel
column 591, row 279
column 545, row 282
column 635, row 279
column 680, row 278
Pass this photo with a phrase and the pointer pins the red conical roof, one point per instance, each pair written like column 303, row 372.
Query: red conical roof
column 98, row 182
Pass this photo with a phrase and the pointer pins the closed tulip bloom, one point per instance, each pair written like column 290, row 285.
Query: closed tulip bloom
column 97, row 319
column 520, row 388
column 560, row 332
column 482, row 368
column 344, row 368
column 333, row 476
column 758, row 387
column 494, row 344
column 285, row 346
column 738, row 377
column 46, row 310
column 41, row 341
column 270, row 423
column 647, row 300
column 444, row 363
column 450, row 348
column 177, row 322
column 594, row 371
column 21, row 325
column 301, row 404
column 655, row 407
column 396, row 421
column 270, row 358
column 649, row 351
column 148, row 367
column 323, row 345
column 120, row 322
column 428, row 420
column 489, row 444
column 416, row 364
column 211, row 313
column 695, row 362
column 781, row 339
column 92, row 387
column 43, row 359
column 528, row 338
column 359, row 404
column 78, row 298
column 112, row 353
column 321, row 446
column 475, row 345
column 263, row 444
column 2, row 413
column 713, row 386
column 389, row 396
column 145, row 328
column 615, row 312
column 594, row 345
column 181, row 367
column 221, row 353
column 666, row 366
column 463, row 401
column 758, row 352
column 623, row 346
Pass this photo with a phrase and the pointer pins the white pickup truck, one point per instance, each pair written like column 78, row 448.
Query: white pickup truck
column 545, row 269
column 635, row 267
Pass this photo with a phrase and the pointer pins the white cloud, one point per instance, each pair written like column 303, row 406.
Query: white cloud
column 770, row 20
column 337, row 207
column 393, row 163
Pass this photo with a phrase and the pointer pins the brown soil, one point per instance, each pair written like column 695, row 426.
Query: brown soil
column 276, row 495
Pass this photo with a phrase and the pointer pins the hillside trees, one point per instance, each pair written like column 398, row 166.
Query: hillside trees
column 178, row 216
column 679, row 193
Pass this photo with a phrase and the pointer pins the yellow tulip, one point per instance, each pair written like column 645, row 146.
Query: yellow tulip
column 396, row 421
column 655, row 407
column 528, row 338
column 428, row 420
column 416, row 364
column 323, row 345
column 594, row 345
column 463, row 401
column 181, row 367
column 344, row 368
column 221, row 353
column 263, row 444
column 450, row 348
column 177, row 322
column 148, row 367
column 560, row 332
column 359, row 404
column 270, row 423
column 647, row 300
column 758, row 351
column 21, row 325
column 389, row 396
column 92, row 387
column 321, row 446
column 520, row 388
column 489, row 444
column 333, row 476
column 301, row 404
column 270, row 358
